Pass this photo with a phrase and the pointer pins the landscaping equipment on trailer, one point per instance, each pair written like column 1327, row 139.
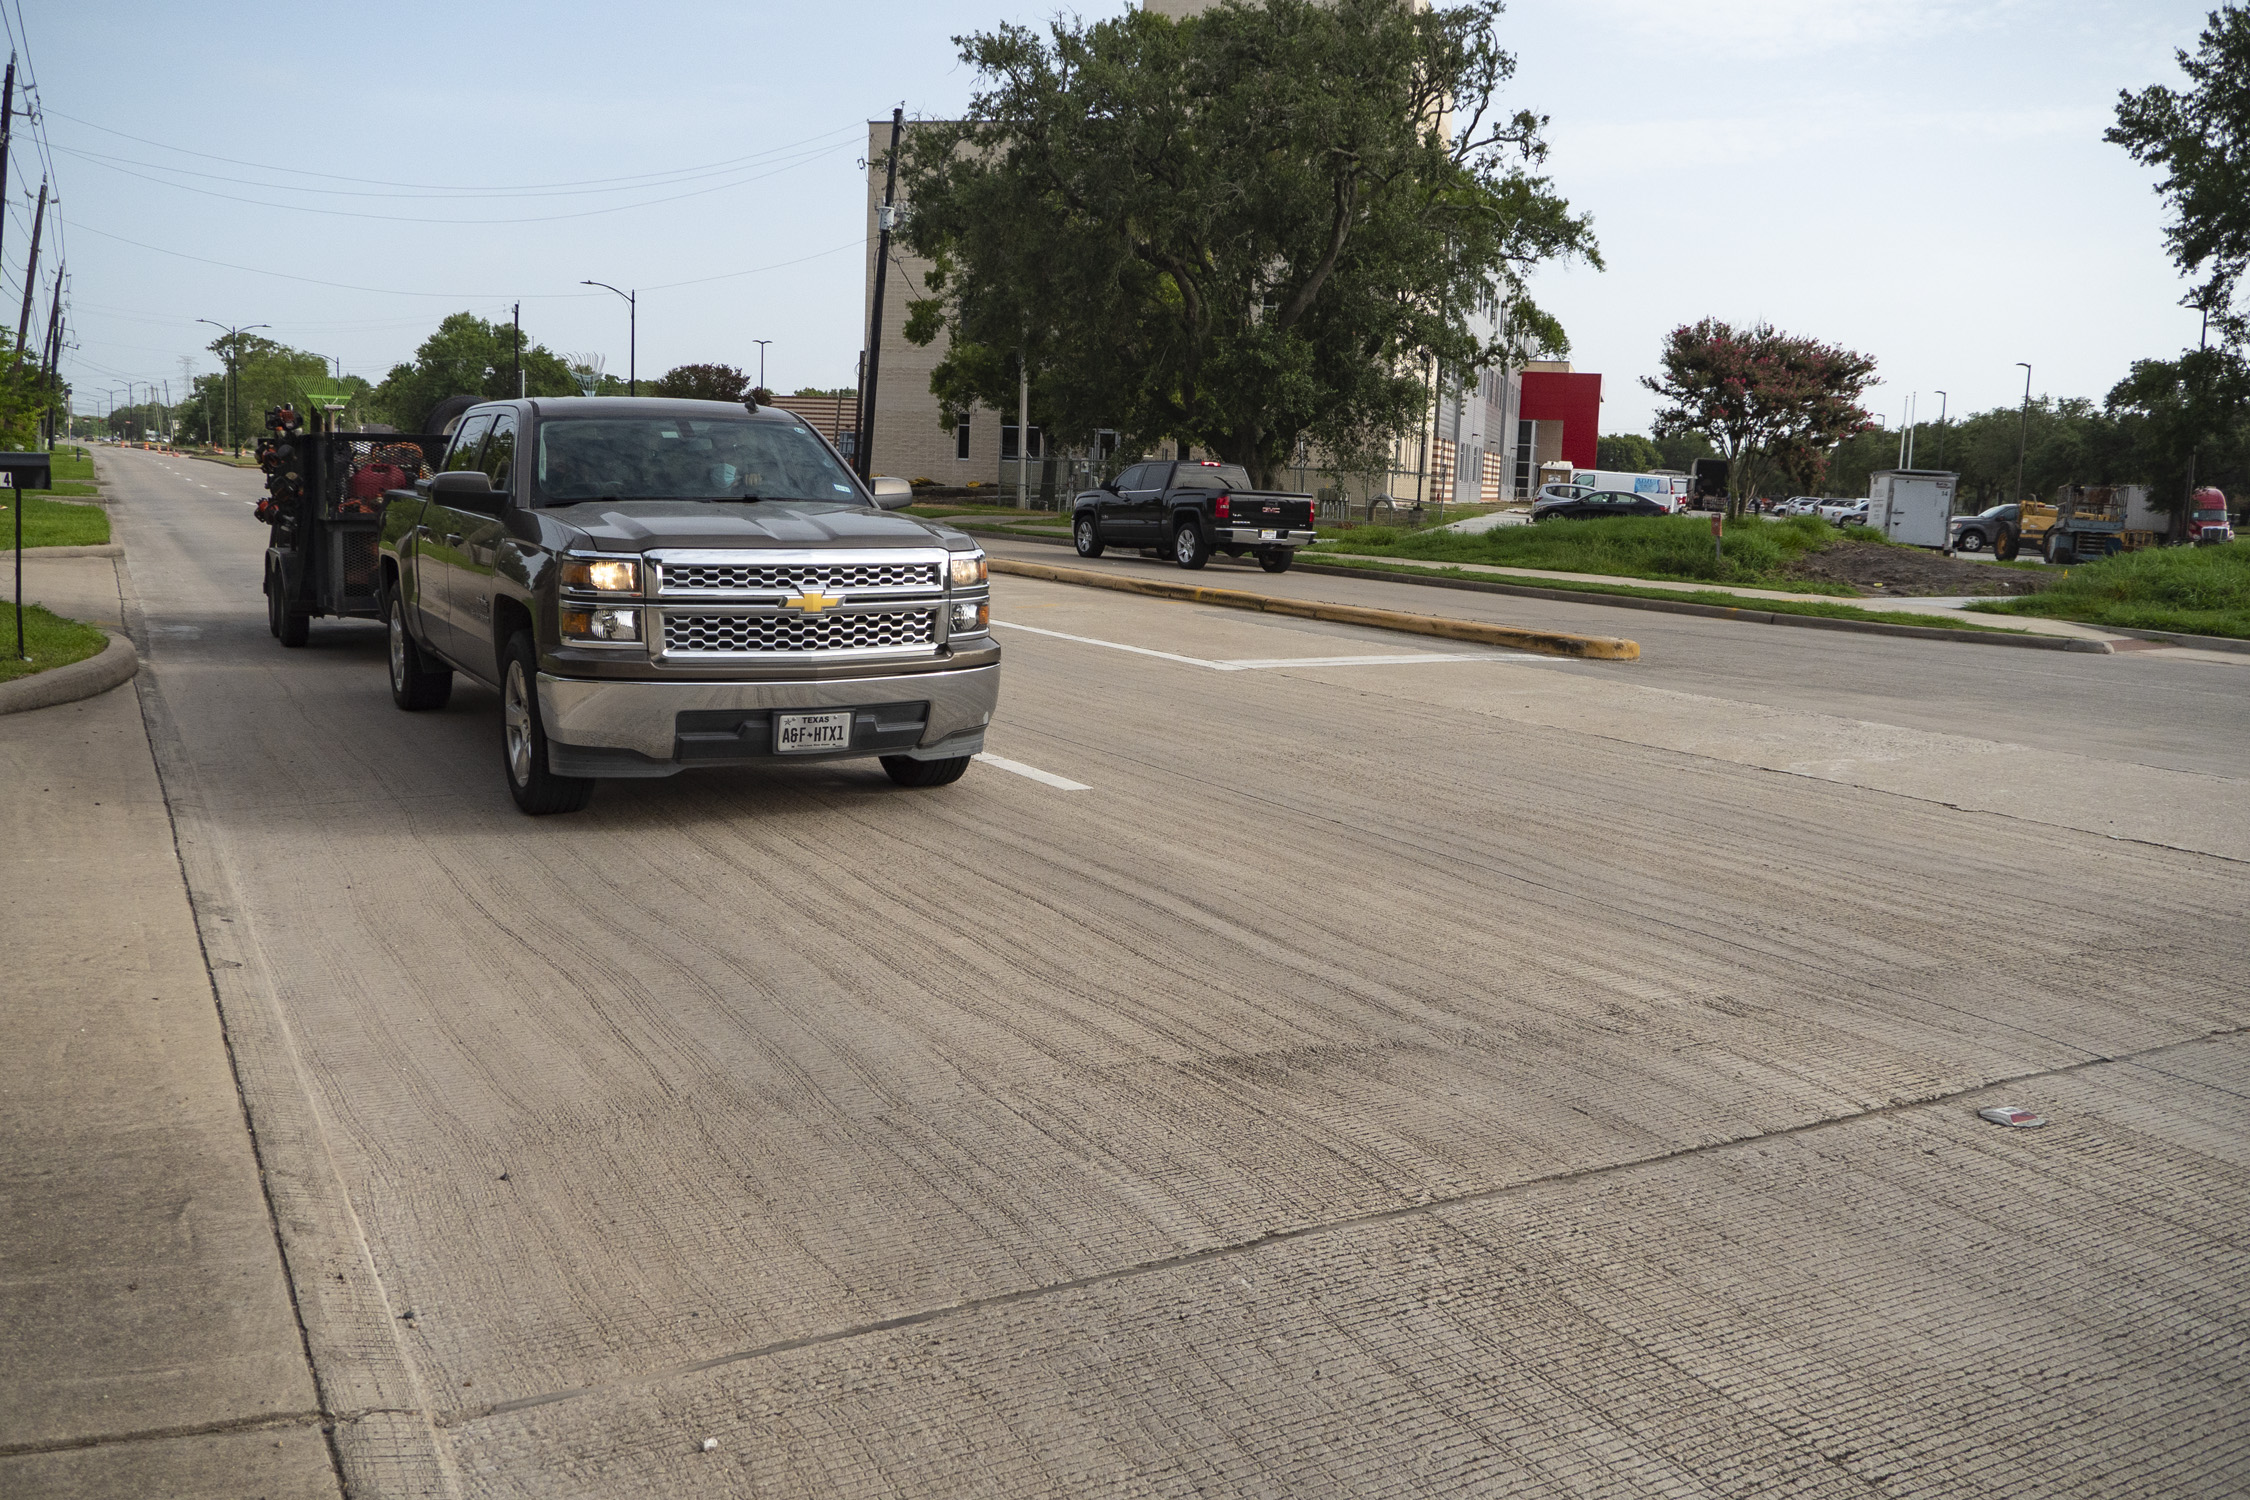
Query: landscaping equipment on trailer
column 324, row 505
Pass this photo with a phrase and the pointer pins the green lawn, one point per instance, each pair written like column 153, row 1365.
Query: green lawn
column 52, row 640
column 1690, row 596
column 1755, row 554
column 972, row 508
column 2192, row 590
column 51, row 523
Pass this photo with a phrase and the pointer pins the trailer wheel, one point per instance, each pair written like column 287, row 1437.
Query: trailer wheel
column 288, row 626
column 273, row 604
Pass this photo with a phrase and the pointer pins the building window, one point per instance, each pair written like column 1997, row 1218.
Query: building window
column 1525, row 431
column 1008, row 441
column 961, row 438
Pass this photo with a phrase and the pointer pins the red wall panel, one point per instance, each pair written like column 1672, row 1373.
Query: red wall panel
column 1573, row 400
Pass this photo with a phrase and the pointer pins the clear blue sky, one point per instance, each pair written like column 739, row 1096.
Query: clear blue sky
column 1923, row 180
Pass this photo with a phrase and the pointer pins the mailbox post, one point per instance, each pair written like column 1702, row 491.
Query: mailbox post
column 24, row 471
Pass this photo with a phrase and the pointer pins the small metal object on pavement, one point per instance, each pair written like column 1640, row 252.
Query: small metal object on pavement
column 2008, row 1114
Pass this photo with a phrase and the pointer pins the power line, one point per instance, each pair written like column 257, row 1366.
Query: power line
column 641, row 179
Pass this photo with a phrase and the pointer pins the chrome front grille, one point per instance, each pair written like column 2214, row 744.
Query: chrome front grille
column 688, row 634
column 791, row 578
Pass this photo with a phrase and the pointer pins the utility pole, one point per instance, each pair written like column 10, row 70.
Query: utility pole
column 2023, row 430
column 761, row 343
column 7, row 130
column 1023, row 432
column 31, row 272
column 885, row 219
column 50, row 354
column 234, row 343
column 1941, row 429
column 518, row 316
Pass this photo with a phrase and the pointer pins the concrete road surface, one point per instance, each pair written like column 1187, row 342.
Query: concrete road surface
column 1441, row 1075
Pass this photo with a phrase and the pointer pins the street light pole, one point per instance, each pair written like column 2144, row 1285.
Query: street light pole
column 1941, row 429
column 761, row 343
column 632, row 332
column 234, row 335
column 2023, row 429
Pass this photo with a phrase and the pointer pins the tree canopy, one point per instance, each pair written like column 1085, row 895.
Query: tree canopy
column 1257, row 226
column 702, row 383
column 1774, row 404
column 2200, row 140
column 468, row 356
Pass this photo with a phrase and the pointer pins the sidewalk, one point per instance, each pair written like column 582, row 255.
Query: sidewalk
column 148, row 1340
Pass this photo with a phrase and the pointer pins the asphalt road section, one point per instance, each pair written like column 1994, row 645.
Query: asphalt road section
column 1353, row 1065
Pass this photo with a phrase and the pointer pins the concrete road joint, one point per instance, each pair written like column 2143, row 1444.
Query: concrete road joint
column 447, row 1422
column 1546, row 642
column 106, row 549
column 272, row 1422
column 114, row 664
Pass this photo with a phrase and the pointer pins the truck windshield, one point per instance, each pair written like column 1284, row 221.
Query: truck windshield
column 2210, row 515
column 1212, row 477
column 686, row 458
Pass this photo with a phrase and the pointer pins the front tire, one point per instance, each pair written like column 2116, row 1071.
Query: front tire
column 523, row 742
column 416, row 686
column 1189, row 549
column 1276, row 559
column 2006, row 545
column 907, row 771
column 1969, row 541
column 1086, row 536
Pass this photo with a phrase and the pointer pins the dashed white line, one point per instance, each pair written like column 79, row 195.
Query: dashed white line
column 1272, row 663
column 1044, row 778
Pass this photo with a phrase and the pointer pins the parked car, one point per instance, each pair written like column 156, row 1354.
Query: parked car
column 1844, row 512
column 1192, row 508
column 1798, row 505
column 1982, row 530
column 1561, row 492
column 1600, row 503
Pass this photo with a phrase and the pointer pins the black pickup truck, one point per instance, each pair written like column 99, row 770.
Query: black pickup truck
column 1193, row 508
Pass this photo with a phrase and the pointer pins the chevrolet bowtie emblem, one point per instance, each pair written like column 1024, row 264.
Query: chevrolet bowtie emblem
column 813, row 601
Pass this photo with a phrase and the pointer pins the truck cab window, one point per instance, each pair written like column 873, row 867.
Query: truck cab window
column 468, row 440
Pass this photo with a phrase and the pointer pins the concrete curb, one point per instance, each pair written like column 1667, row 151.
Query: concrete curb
column 1727, row 612
column 106, row 549
column 1547, row 642
column 1668, row 606
column 109, row 667
column 2175, row 638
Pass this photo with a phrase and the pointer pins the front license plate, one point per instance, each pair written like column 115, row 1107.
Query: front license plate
column 799, row 734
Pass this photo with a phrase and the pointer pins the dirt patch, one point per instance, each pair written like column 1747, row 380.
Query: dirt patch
column 1879, row 570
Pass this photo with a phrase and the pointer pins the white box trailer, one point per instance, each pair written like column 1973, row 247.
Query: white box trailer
column 1911, row 506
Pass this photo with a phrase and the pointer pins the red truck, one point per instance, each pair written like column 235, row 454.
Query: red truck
column 2207, row 524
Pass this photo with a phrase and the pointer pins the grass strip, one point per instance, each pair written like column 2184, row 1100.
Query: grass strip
column 51, row 523
column 1756, row 553
column 1713, row 597
column 52, row 640
column 2186, row 590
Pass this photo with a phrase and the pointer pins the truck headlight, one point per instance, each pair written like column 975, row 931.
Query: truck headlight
column 604, row 625
column 969, row 568
column 604, row 575
column 971, row 616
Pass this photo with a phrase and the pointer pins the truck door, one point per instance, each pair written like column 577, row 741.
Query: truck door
column 469, row 596
column 1143, row 510
column 445, row 530
column 1117, row 508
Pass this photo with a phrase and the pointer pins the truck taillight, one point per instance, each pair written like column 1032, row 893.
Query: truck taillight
column 1223, row 507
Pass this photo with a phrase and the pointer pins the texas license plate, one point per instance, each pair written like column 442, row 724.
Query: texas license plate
column 799, row 734
column 1269, row 536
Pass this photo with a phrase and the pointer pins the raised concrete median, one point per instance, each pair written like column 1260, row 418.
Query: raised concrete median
column 1546, row 642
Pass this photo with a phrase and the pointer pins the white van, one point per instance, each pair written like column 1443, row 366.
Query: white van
column 1670, row 490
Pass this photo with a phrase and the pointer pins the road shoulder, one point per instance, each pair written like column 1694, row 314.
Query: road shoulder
column 144, row 1300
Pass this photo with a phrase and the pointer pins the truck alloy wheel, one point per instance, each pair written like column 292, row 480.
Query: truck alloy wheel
column 523, row 746
column 1087, row 537
column 1188, row 547
column 1970, row 541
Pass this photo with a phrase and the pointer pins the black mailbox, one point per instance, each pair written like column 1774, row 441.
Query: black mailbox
column 27, row 471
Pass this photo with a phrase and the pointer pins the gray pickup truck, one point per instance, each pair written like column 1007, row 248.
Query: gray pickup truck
column 654, row 585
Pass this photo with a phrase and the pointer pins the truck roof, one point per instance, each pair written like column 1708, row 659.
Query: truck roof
column 645, row 406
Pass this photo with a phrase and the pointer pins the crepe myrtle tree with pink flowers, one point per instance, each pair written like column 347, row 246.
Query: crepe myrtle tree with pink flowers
column 1774, row 404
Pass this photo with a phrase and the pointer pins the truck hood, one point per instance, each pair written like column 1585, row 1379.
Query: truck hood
column 644, row 525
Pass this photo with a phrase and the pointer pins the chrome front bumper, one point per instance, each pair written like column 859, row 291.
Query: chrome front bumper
column 642, row 718
column 1249, row 536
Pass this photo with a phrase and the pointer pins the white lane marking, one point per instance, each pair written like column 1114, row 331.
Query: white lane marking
column 1044, row 778
column 1268, row 664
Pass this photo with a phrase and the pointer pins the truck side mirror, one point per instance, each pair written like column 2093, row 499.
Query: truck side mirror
column 470, row 490
column 891, row 492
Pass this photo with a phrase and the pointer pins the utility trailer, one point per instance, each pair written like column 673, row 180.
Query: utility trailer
column 324, row 505
column 1913, row 507
column 2087, row 521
